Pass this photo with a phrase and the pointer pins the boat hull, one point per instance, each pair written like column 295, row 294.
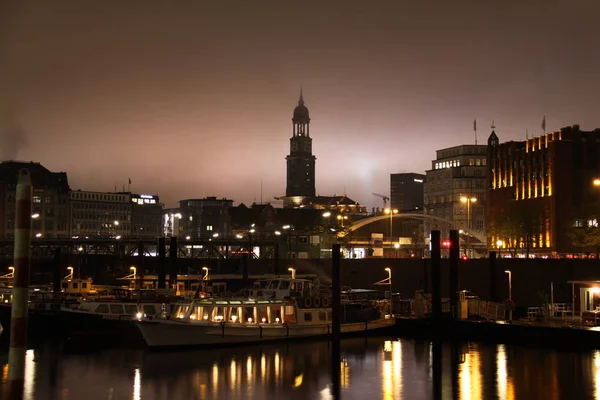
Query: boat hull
column 165, row 334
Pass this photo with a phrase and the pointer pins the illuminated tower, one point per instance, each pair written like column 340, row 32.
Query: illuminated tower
column 300, row 162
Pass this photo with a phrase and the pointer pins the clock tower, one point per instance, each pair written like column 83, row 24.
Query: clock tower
column 300, row 162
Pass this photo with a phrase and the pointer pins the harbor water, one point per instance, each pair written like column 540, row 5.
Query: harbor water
column 373, row 368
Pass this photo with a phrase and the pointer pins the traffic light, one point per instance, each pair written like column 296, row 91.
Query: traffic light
column 446, row 244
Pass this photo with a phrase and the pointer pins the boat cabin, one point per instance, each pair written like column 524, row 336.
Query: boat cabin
column 279, row 288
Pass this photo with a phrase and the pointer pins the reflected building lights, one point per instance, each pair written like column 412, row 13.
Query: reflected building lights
column 263, row 369
column 344, row 374
column 5, row 373
column 233, row 377
column 215, row 379
column 470, row 377
column 277, row 368
column 137, row 384
column 596, row 369
column 29, row 383
column 392, row 369
column 501, row 373
column 249, row 369
column 397, row 361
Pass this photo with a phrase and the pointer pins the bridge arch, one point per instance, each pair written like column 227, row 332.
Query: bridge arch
column 363, row 222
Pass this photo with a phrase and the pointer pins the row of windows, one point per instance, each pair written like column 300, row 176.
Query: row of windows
column 100, row 206
column 98, row 196
column 108, row 218
column 473, row 162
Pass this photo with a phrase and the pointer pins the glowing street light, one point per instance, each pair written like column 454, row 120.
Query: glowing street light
column 70, row 276
column 326, row 214
column 134, row 269
column 116, row 223
column 206, row 272
column 34, row 216
column 596, row 182
column 389, row 271
column 38, row 235
column 12, row 272
column 277, row 233
column 215, row 235
column 286, row 226
column 391, row 212
column 293, row 271
column 468, row 201
column 188, row 237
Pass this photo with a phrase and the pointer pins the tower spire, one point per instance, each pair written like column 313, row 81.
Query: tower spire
column 301, row 100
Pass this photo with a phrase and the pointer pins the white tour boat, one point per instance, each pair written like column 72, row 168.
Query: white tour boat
column 279, row 309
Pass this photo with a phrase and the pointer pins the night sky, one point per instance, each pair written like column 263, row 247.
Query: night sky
column 195, row 98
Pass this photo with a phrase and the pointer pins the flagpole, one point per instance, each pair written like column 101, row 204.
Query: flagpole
column 475, row 129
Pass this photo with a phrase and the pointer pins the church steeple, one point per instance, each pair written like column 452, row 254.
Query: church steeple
column 300, row 162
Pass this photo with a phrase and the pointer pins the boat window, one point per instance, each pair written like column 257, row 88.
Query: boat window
column 263, row 315
column 219, row 314
column 322, row 316
column 329, row 316
column 285, row 285
column 276, row 314
column 130, row 309
column 116, row 309
column 84, row 285
column 236, row 315
column 299, row 286
column 307, row 316
column 203, row 313
column 149, row 309
column 102, row 309
column 273, row 284
column 180, row 311
column 249, row 315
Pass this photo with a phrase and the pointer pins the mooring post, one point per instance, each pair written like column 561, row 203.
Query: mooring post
column 436, row 277
column 57, row 272
column 336, row 308
column 162, row 254
column 425, row 275
column 139, row 282
column 454, row 257
column 173, row 267
column 493, row 274
column 20, row 291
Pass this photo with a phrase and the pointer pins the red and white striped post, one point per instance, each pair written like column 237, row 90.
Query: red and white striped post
column 20, row 291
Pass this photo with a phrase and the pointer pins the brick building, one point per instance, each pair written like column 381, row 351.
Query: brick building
column 541, row 189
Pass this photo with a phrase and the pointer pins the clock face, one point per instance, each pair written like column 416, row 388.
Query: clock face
column 294, row 146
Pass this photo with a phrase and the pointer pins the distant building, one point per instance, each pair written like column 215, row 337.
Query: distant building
column 457, row 173
column 112, row 215
column 146, row 216
column 543, row 198
column 407, row 191
column 50, row 200
column 99, row 214
column 203, row 218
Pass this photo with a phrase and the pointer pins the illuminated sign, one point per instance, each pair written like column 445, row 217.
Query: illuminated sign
column 418, row 180
column 146, row 196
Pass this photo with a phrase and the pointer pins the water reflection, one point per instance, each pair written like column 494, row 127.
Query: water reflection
column 374, row 368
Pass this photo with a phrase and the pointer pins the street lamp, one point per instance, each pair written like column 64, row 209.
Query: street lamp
column 206, row 270
column 509, row 272
column 397, row 247
column 216, row 235
column 391, row 212
column 596, row 182
column 389, row 271
column 70, row 276
column 468, row 201
column 277, row 233
column 134, row 269
column 289, row 229
column 12, row 272
column 293, row 271
column 35, row 216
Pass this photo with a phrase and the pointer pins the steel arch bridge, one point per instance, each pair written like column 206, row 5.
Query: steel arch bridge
column 370, row 220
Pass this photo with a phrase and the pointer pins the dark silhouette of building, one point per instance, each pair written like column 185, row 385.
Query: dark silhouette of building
column 543, row 193
column 407, row 191
column 99, row 214
column 300, row 161
column 146, row 216
column 203, row 218
column 50, row 209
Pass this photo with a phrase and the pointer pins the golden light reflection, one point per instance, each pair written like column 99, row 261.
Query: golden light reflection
column 215, row 378
column 29, row 383
column 298, row 380
column 137, row 384
column 249, row 368
column 233, row 377
column 263, row 369
column 596, row 369
column 5, row 373
column 470, row 377
column 344, row 374
column 501, row 374
column 392, row 369
column 276, row 362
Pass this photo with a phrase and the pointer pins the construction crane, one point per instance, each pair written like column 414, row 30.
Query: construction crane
column 385, row 199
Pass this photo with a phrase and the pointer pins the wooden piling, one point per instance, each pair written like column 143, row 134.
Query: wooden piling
column 20, row 291
column 336, row 307
column 454, row 257
column 436, row 277
column 161, row 262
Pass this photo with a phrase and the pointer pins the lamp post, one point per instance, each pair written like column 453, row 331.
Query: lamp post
column 70, row 276
column 134, row 269
column 468, row 201
column 391, row 212
column 206, row 272
column 12, row 272
column 293, row 271
column 509, row 272
column 216, row 235
column 396, row 246
column 389, row 271
column 289, row 230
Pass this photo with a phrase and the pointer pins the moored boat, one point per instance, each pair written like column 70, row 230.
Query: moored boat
column 278, row 309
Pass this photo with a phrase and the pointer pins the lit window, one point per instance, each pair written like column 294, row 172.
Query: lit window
column 592, row 223
column 191, row 217
column 37, row 199
column 209, row 227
